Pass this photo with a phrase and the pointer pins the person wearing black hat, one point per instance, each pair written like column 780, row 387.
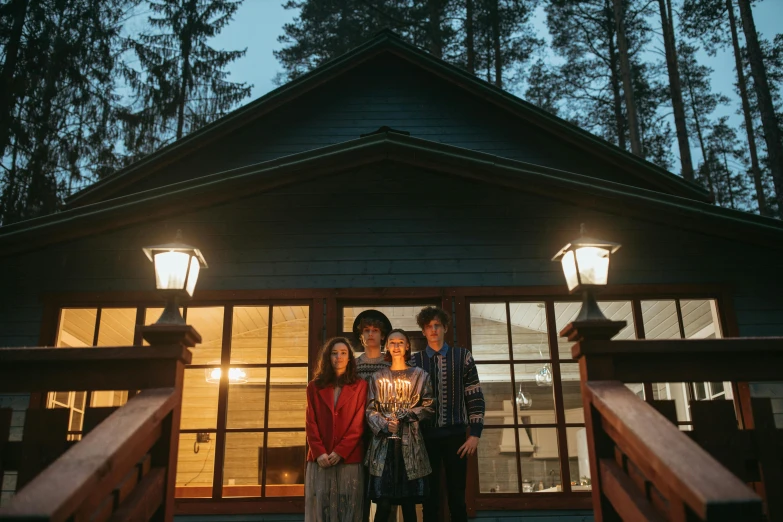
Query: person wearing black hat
column 371, row 327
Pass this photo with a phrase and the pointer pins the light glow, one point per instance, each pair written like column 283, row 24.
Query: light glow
column 235, row 375
column 593, row 263
column 170, row 270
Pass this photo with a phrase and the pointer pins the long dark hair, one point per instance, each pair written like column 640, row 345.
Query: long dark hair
column 387, row 355
column 324, row 373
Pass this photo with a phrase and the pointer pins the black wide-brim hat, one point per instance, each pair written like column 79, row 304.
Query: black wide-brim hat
column 372, row 314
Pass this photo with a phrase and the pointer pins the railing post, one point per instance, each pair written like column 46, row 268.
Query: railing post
column 599, row 444
column 164, row 454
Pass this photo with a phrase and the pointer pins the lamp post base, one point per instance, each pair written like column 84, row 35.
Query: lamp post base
column 168, row 334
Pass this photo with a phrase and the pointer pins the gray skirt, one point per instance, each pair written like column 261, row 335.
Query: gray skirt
column 334, row 494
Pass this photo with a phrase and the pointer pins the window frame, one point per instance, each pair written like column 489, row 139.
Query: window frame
column 324, row 324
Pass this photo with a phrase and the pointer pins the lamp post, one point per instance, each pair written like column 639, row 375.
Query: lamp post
column 585, row 263
column 177, row 266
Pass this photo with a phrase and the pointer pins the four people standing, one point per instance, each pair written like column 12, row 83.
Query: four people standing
column 445, row 404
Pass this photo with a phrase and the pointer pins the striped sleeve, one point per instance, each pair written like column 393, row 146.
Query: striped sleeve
column 474, row 397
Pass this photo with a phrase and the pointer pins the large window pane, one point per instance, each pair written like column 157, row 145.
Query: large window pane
column 578, row 459
column 613, row 310
column 77, row 327
column 660, row 320
column 497, row 461
column 700, row 319
column 287, row 397
column 528, row 331
column 199, row 401
column 242, row 469
column 195, row 465
column 488, row 331
column 540, row 460
column 498, row 396
column 572, row 393
column 290, row 334
column 209, row 323
column 117, row 327
column 285, row 464
column 246, row 401
column 542, row 409
column 250, row 334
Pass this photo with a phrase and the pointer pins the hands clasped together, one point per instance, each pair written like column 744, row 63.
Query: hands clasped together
column 326, row 461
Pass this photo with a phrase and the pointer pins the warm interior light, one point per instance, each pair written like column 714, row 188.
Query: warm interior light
column 235, row 375
column 171, row 269
column 193, row 275
column 593, row 265
column 569, row 269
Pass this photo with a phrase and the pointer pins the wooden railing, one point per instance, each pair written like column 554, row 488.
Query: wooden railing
column 124, row 467
column 643, row 466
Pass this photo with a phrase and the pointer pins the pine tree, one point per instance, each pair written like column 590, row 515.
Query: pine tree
column 61, row 133
column 182, row 83
column 728, row 164
column 675, row 88
column 772, row 132
column 700, row 103
column 714, row 23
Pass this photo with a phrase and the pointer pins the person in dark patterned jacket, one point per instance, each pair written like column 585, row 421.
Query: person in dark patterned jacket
column 459, row 408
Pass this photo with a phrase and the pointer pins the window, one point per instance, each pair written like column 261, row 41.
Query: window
column 684, row 319
column 85, row 328
column 534, row 433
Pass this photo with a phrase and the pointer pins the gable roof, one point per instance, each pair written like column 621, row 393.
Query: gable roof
column 214, row 189
column 388, row 42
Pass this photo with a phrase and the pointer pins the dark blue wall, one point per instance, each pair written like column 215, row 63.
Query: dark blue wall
column 386, row 91
column 391, row 226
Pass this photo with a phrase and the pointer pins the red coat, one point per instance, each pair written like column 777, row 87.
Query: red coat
column 337, row 429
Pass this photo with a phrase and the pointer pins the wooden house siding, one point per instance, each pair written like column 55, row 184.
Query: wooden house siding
column 390, row 226
column 393, row 92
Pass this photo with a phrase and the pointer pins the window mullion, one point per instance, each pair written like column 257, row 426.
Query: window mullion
column 222, row 410
column 562, row 437
column 513, row 396
column 266, row 399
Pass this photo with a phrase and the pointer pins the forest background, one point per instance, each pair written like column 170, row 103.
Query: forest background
column 89, row 86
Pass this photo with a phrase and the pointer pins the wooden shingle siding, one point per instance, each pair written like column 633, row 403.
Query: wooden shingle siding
column 390, row 226
column 386, row 91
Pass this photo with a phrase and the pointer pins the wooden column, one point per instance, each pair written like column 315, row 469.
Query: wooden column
column 165, row 453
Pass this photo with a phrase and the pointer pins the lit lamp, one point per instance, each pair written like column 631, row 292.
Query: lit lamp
column 585, row 263
column 235, row 375
column 177, row 266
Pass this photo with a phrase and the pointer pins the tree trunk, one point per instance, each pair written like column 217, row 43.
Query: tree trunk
column 7, row 101
column 494, row 8
column 702, row 146
column 768, row 118
column 743, row 89
column 185, row 47
column 625, row 68
column 469, row 45
column 614, row 78
column 728, row 177
column 675, row 87
column 436, row 37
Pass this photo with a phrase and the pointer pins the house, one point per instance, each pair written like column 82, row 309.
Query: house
column 388, row 179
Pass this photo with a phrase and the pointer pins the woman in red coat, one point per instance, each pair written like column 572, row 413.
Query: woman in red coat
column 336, row 400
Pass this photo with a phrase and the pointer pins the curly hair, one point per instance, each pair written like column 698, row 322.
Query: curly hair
column 429, row 313
column 387, row 355
column 324, row 373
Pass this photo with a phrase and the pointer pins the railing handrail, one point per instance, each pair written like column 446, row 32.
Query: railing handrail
column 92, row 468
column 683, row 360
column 668, row 458
column 97, row 368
